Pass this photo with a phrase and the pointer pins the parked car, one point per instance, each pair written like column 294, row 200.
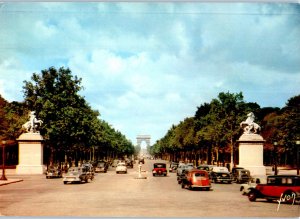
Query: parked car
column 76, row 174
column 283, row 188
column 89, row 169
column 101, row 167
column 241, row 175
column 221, row 175
column 53, row 172
column 182, row 167
column 173, row 167
column 115, row 163
column 121, row 168
column 159, row 169
column 245, row 188
column 196, row 179
column 207, row 168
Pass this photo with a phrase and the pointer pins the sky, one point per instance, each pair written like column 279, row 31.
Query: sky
column 146, row 66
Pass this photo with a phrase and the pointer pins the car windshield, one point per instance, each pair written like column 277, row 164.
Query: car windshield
column 203, row 168
column 121, row 164
column 200, row 174
column 159, row 165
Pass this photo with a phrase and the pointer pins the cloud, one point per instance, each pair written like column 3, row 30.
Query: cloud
column 146, row 66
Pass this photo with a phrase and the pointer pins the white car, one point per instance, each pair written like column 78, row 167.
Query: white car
column 245, row 188
column 121, row 168
column 182, row 167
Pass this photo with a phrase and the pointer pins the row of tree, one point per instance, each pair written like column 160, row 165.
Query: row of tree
column 71, row 128
column 211, row 134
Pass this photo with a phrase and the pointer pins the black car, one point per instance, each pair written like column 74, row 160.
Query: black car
column 129, row 163
column 183, row 176
column 221, row 175
column 241, row 175
column 173, row 167
column 142, row 160
column 53, row 172
column 101, row 166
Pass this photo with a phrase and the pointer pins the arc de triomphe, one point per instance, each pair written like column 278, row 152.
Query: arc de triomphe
column 145, row 138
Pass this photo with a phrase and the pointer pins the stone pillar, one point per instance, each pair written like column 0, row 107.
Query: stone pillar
column 251, row 154
column 30, row 154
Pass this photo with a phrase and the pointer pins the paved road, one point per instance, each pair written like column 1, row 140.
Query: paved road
column 111, row 195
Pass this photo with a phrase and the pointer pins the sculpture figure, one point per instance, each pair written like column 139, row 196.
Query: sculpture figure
column 33, row 124
column 249, row 125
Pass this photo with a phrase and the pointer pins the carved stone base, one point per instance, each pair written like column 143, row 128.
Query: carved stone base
column 251, row 154
column 30, row 154
column 29, row 169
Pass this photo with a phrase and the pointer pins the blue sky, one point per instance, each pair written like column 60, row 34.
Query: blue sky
column 146, row 66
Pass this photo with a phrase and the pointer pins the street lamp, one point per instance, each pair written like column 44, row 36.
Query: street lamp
column 3, row 161
column 297, row 145
column 275, row 157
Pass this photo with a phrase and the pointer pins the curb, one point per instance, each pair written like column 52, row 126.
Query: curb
column 2, row 183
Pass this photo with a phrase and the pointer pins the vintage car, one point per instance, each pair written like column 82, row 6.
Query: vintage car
column 101, row 166
column 89, row 169
column 283, row 188
column 173, row 167
column 142, row 160
column 159, row 169
column 196, row 179
column 246, row 187
column 241, row 175
column 207, row 168
column 53, row 172
column 129, row 163
column 182, row 167
column 121, row 168
column 221, row 175
column 115, row 163
column 182, row 176
column 76, row 174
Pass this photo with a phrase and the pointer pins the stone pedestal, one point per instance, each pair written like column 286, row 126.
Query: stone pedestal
column 251, row 154
column 30, row 154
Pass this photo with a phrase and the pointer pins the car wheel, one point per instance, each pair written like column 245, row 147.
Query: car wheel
column 252, row 196
column 65, row 182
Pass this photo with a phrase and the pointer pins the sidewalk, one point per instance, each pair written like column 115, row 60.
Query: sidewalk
column 9, row 173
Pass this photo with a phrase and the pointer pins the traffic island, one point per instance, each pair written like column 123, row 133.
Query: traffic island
column 140, row 173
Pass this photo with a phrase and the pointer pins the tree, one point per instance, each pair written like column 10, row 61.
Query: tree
column 69, row 122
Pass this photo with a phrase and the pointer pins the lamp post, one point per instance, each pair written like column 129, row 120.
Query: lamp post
column 298, row 145
column 3, row 161
column 275, row 158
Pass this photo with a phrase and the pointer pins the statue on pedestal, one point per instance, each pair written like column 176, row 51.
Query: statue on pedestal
column 33, row 124
column 249, row 126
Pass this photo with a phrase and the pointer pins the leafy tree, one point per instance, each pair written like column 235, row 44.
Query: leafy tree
column 69, row 122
